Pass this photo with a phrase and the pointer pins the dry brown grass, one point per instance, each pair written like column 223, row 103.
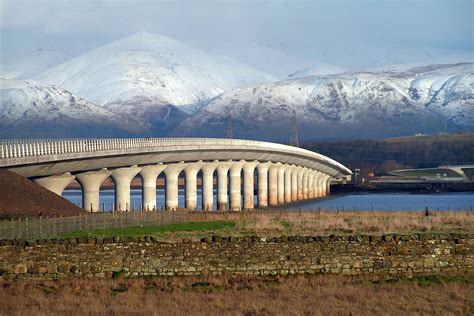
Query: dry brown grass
column 325, row 222
column 302, row 295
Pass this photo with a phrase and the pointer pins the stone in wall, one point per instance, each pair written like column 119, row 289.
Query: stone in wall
column 252, row 255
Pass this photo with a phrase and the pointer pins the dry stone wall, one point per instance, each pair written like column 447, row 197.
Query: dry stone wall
column 145, row 256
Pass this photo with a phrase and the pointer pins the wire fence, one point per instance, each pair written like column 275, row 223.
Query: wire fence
column 48, row 227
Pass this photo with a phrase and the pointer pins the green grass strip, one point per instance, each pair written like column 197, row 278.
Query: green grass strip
column 136, row 231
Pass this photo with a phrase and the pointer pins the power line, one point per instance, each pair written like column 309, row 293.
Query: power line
column 229, row 126
column 294, row 130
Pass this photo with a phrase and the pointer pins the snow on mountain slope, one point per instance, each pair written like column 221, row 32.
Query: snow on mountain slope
column 351, row 105
column 32, row 109
column 147, row 72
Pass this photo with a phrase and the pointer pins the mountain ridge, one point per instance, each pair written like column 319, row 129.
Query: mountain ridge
column 374, row 104
column 33, row 109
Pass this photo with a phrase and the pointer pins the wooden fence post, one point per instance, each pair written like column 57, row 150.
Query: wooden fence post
column 19, row 228
column 27, row 232
column 41, row 226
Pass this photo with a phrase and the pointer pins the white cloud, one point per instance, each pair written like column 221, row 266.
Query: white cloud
column 301, row 30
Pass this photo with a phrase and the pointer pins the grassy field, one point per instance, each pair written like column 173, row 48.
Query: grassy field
column 275, row 223
column 225, row 295
column 301, row 295
column 158, row 230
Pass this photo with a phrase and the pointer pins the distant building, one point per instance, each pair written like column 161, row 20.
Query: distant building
column 443, row 173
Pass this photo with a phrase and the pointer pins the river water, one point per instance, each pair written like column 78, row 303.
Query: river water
column 356, row 201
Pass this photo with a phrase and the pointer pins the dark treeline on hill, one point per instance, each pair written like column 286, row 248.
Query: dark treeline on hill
column 381, row 156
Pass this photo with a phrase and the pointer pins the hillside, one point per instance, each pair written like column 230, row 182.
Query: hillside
column 380, row 156
column 372, row 104
column 33, row 109
column 19, row 197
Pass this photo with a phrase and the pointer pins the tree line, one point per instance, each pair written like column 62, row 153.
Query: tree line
column 382, row 156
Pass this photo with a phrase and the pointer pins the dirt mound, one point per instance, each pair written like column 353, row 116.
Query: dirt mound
column 20, row 197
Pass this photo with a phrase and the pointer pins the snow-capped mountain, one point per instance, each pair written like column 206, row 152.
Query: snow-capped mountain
column 32, row 109
column 351, row 105
column 151, row 77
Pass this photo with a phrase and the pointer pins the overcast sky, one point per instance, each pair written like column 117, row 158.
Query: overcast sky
column 265, row 34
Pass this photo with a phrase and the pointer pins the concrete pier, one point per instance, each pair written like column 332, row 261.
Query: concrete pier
column 149, row 175
column 222, row 171
column 305, row 183
column 56, row 183
column 249, row 184
column 90, row 182
column 281, row 184
column 122, row 178
column 328, row 185
column 273, row 184
column 235, row 185
column 172, row 172
column 191, row 171
column 299, row 187
column 262, row 170
column 288, row 176
column 322, row 185
column 294, row 184
column 208, row 185
column 311, row 184
column 317, row 181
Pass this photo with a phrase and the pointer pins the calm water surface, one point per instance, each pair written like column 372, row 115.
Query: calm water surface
column 394, row 201
column 368, row 201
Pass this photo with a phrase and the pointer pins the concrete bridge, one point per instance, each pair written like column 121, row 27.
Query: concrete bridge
column 281, row 173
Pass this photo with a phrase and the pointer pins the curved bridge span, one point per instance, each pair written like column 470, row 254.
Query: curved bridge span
column 281, row 173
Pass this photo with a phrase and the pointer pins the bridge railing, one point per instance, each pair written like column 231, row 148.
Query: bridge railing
column 29, row 148
column 42, row 147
